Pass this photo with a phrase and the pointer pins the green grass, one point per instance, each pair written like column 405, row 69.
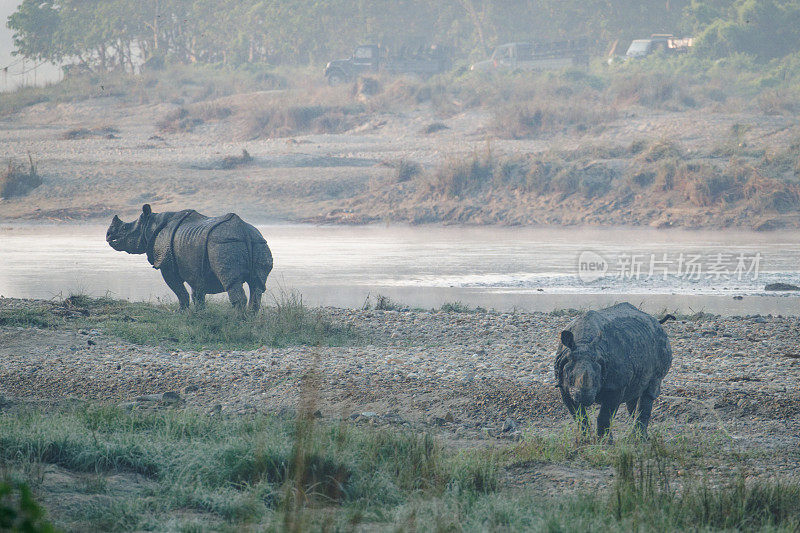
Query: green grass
column 232, row 470
column 183, row 470
column 288, row 321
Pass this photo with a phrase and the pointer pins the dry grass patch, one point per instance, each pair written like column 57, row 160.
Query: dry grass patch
column 528, row 119
column 286, row 120
column 17, row 181
column 108, row 132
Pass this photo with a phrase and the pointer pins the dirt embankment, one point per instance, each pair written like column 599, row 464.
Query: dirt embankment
column 689, row 168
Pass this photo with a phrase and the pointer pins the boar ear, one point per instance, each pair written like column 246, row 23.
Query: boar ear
column 146, row 209
column 568, row 340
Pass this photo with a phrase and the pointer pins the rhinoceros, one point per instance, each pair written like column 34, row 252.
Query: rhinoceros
column 211, row 254
column 613, row 356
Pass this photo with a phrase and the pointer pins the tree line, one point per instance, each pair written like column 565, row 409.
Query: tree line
column 119, row 34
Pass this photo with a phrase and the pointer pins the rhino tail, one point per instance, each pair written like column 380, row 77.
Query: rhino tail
column 260, row 261
column 666, row 317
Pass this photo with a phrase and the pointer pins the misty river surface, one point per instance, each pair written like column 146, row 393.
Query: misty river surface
column 533, row 269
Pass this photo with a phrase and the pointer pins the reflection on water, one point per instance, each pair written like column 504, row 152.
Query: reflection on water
column 501, row 268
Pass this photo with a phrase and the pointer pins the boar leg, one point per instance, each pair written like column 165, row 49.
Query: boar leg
column 176, row 284
column 199, row 299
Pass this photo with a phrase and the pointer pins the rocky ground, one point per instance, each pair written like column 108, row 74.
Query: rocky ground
column 473, row 378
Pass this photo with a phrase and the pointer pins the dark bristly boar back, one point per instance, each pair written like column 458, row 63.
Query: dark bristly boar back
column 613, row 356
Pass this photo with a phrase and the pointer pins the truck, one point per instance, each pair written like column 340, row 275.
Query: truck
column 542, row 55
column 369, row 58
column 659, row 42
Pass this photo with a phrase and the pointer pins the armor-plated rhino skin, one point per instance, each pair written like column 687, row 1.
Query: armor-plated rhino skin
column 613, row 356
column 211, row 254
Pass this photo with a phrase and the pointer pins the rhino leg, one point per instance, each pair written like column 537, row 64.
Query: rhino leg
column 237, row 297
column 582, row 417
column 607, row 412
column 176, row 284
column 632, row 406
column 199, row 298
column 577, row 411
column 255, row 297
column 645, row 409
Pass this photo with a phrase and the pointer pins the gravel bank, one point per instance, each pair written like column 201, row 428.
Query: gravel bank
column 482, row 366
column 472, row 378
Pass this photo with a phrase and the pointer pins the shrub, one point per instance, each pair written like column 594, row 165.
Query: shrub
column 84, row 133
column 541, row 115
column 233, row 161
column 407, row 169
column 455, row 177
column 178, row 121
column 19, row 511
column 285, row 120
column 16, row 181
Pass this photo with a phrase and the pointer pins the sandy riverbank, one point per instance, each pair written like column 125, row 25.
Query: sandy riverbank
column 601, row 177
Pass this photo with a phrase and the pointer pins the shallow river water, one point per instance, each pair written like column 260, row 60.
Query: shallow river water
column 502, row 268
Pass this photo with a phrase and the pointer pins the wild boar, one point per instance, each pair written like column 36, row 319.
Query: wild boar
column 613, row 356
column 212, row 255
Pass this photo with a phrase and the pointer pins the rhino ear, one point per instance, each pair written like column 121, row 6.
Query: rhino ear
column 146, row 209
column 602, row 362
column 116, row 220
column 568, row 340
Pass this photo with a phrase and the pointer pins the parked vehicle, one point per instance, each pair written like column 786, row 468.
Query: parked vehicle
column 536, row 56
column 373, row 58
column 659, row 42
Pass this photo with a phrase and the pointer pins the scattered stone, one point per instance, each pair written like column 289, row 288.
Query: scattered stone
column 781, row 287
column 189, row 389
column 509, row 425
column 171, row 397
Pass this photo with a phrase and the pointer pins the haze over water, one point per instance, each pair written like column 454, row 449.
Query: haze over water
column 501, row 268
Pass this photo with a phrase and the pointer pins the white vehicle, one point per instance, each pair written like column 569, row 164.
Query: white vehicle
column 536, row 56
column 658, row 42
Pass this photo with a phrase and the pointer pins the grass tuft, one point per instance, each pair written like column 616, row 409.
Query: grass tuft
column 288, row 321
column 17, row 181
